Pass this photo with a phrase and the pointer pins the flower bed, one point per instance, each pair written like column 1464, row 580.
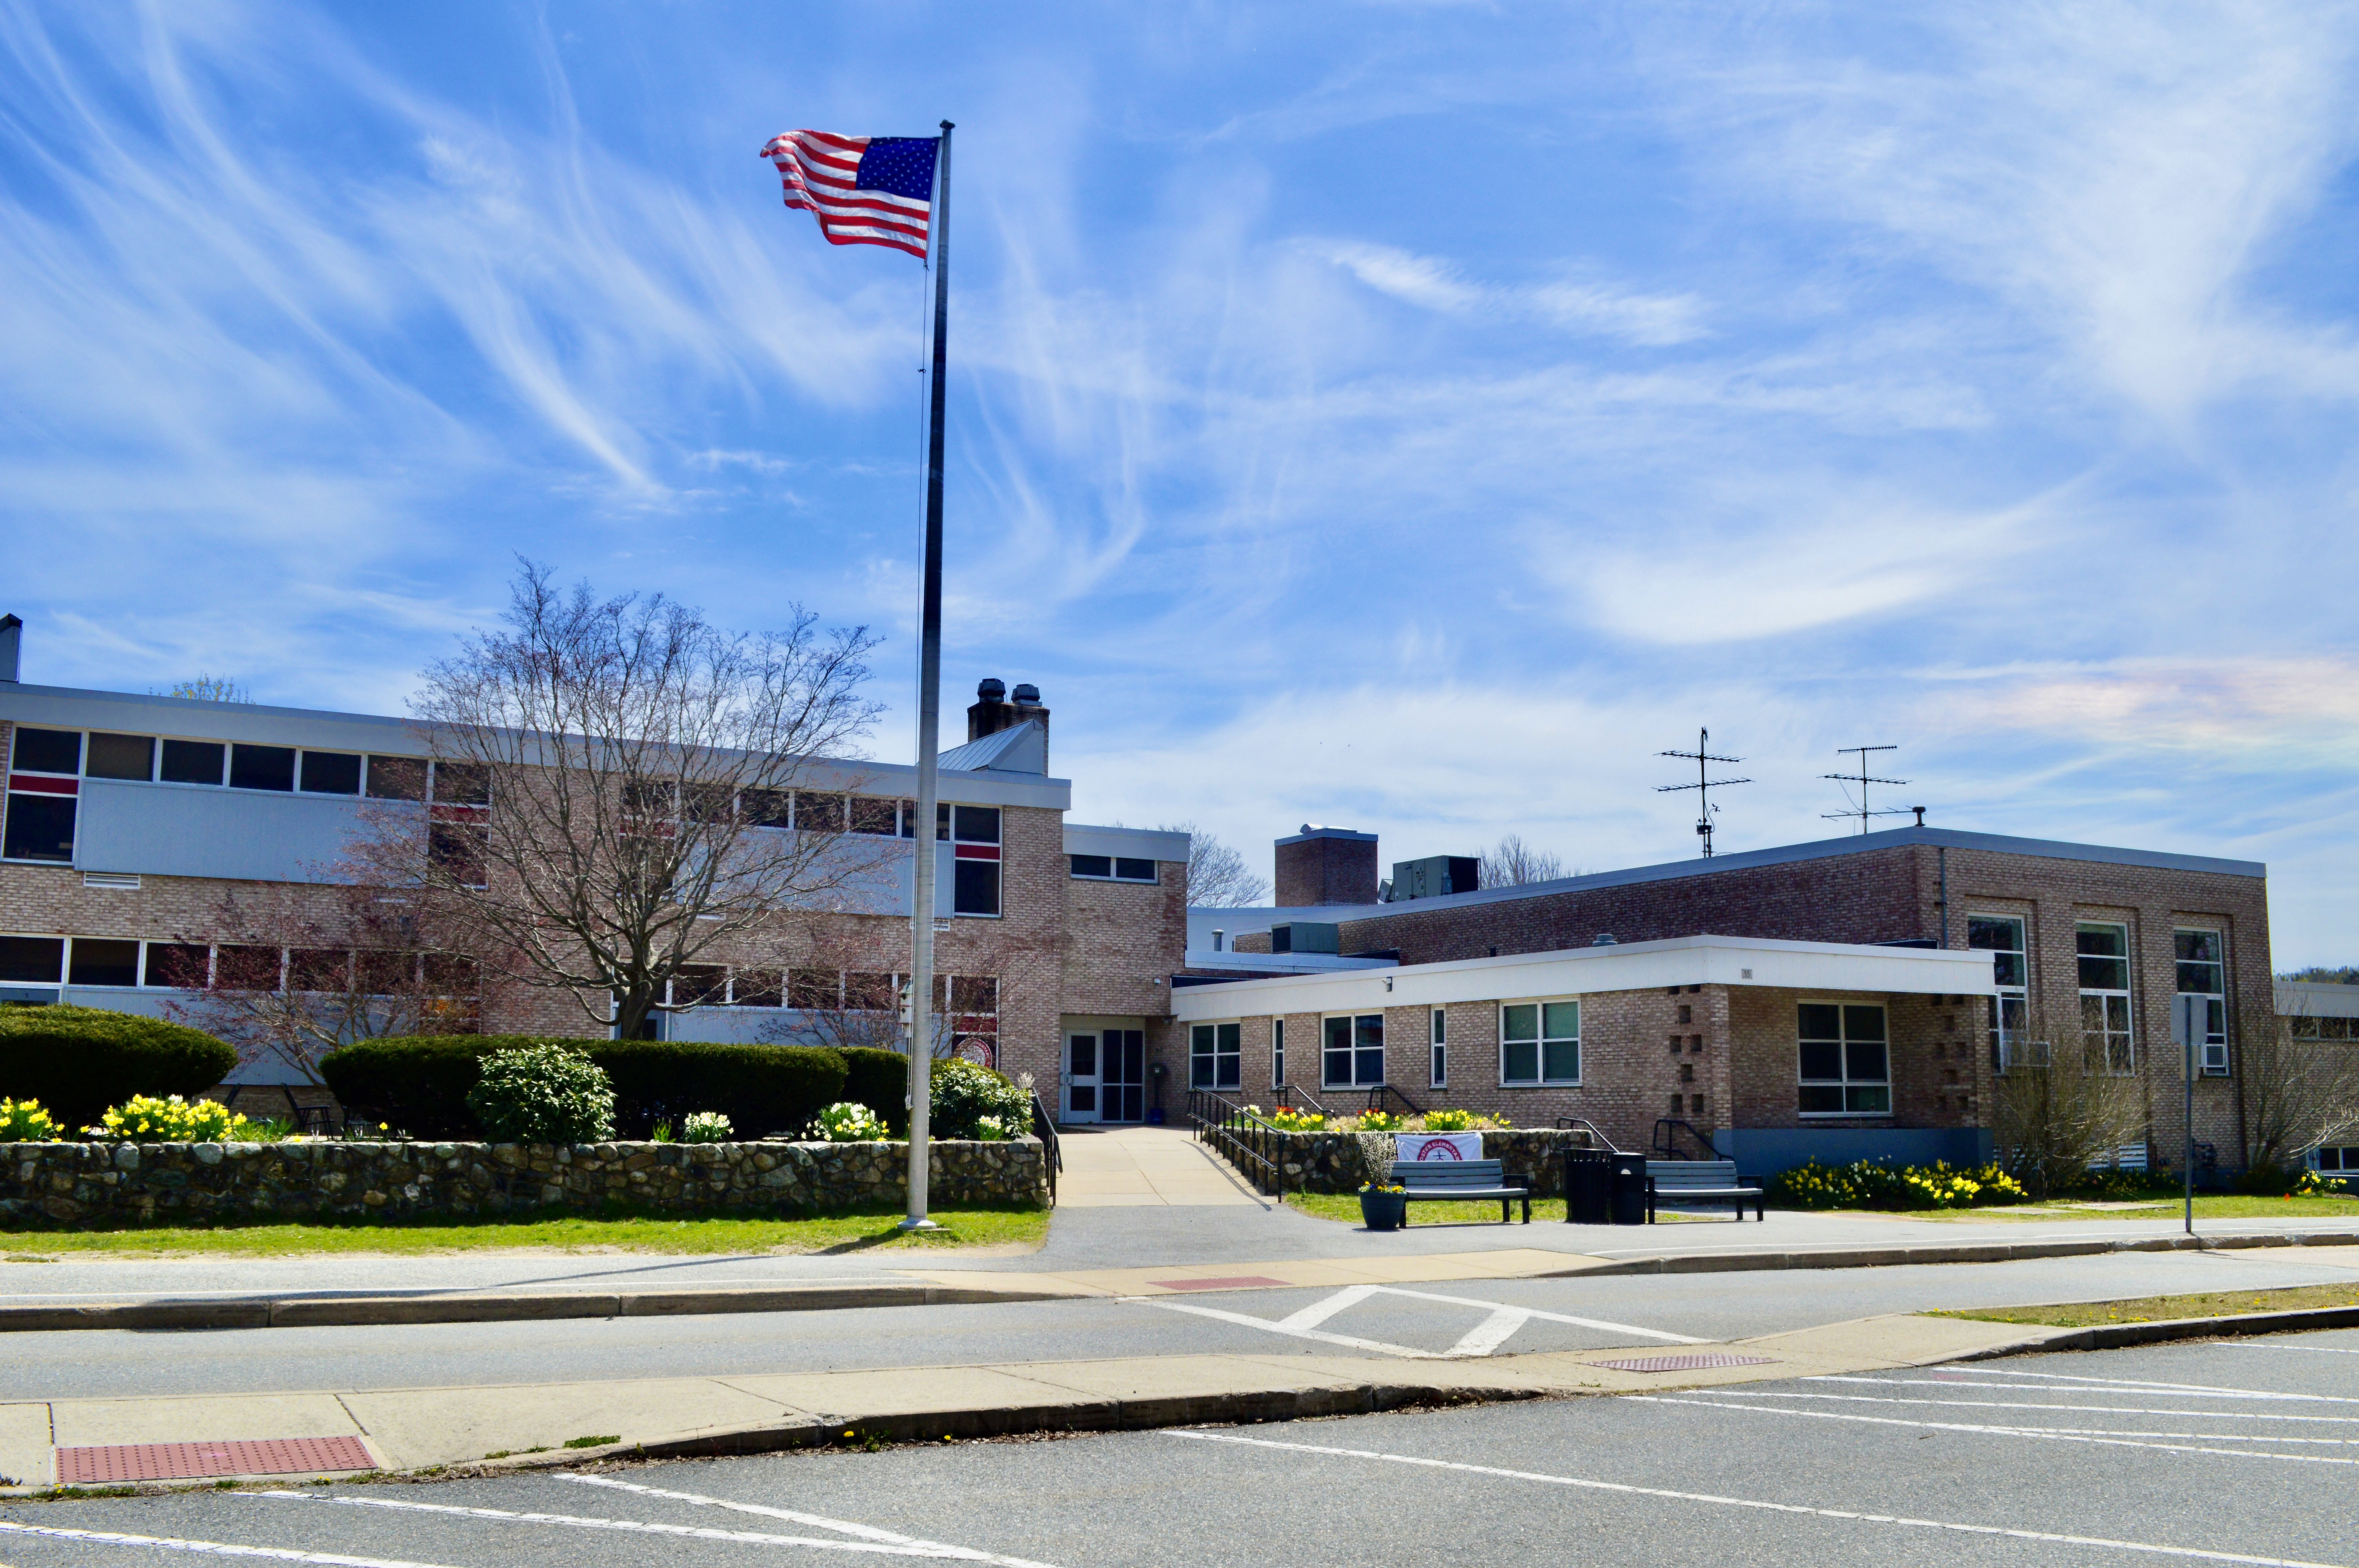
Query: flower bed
column 1330, row 1162
column 162, row 1184
column 1870, row 1184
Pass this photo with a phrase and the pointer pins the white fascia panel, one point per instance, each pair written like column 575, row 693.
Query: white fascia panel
column 2307, row 998
column 1832, row 967
column 1132, row 843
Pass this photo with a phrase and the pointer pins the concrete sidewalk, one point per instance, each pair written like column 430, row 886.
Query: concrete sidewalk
column 411, row 1429
column 1146, row 1167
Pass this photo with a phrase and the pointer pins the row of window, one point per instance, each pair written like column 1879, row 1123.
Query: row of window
column 2101, row 963
column 184, row 966
column 1112, row 868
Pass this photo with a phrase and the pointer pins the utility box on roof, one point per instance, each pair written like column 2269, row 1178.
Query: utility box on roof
column 1435, row 875
column 1304, row 936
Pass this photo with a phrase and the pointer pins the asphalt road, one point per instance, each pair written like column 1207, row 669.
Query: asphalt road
column 1620, row 1310
column 2240, row 1450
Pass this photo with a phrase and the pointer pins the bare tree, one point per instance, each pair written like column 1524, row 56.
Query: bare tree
column 1218, row 877
column 209, row 688
column 1512, row 863
column 288, row 974
column 2056, row 1113
column 621, row 792
column 2301, row 1085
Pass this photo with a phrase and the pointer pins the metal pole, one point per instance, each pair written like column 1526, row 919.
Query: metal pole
column 2187, row 1070
column 930, row 704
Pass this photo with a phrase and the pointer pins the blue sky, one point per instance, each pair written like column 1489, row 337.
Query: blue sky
column 1409, row 416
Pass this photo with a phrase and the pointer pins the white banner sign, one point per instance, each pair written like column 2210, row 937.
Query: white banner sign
column 1415, row 1146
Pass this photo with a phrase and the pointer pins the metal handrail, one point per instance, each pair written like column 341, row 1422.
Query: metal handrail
column 1567, row 1124
column 1044, row 1127
column 1667, row 1139
column 1377, row 1094
column 1284, row 1092
column 1225, row 1127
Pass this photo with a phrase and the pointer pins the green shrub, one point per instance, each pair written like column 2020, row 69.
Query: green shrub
column 1873, row 1184
column 420, row 1082
column 77, row 1061
column 847, row 1122
column 144, row 1118
column 23, row 1121
column 543, row 1093
column 880, row 1081
column 705, row 1126
column 1455, row 1119
column 965, row 1092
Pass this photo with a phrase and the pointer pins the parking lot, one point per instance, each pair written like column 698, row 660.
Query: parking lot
column 2233, row 1452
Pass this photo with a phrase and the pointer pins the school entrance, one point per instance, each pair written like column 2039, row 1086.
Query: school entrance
column 1103, row 1073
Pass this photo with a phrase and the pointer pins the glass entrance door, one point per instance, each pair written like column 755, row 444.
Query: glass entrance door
column 1082, row 1081
column 1122, row 1062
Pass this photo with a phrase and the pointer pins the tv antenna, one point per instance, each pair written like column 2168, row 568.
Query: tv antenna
column 1703, row 786
column 1863, row 779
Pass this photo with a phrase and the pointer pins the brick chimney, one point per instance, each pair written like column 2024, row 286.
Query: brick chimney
column 1326, row 865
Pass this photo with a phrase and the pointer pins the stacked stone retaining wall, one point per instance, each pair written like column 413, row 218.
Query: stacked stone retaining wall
column 70, row 1184
column 1330, row 1162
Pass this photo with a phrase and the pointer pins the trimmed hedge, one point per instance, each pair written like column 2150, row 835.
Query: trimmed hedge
column 420, row 1084
column 880, row 1080
column 77, row 1061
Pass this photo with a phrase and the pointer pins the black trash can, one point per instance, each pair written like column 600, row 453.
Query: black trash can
column 1588, row 1186
column 1628, row 1174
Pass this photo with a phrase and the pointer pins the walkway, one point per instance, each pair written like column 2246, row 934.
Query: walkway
column 1145, row 1167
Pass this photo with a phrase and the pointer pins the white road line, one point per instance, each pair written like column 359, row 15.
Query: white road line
column 2044, row 1434
column 627, row 1526
column 2313, row 1349
column 1482, row 1340
column 2025, row 1405
column 1765, row 1507
column 206, row 1548
column 2157, row 1391
column 2100, row 1383
column 763, row 1510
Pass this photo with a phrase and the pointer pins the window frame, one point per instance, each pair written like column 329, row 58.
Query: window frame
column 45, row 792
column 2010, row 1009
column 1355, row 1049
column 951, row 820
column 2102, row 1048
column 1539, row 1040
column 2211, row 1060
column 1845, row 1084
column 1216, row 1054
column 1276, row 1052
column 1437, row 1049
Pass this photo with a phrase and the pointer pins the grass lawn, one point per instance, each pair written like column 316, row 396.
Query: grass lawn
column 2153, row 1309
column 2224, row 1206
column 1011, row 1229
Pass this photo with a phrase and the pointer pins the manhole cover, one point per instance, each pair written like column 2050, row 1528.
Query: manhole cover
column 104, row 1463
column 1238, row 1283
column 1683, row 1363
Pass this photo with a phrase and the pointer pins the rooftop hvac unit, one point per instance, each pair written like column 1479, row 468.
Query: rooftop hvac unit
column 1304, row 936
column 1434, row 875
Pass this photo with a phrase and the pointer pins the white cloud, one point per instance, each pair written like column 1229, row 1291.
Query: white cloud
column 1652, row 321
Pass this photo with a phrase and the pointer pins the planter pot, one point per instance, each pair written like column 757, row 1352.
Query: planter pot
column 1383, row 1211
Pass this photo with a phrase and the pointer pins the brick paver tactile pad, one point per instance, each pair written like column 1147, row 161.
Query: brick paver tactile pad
column 104, row 1465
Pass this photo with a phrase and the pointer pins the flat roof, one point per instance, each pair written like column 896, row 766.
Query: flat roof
column 1838, row 968
column 1744, row 859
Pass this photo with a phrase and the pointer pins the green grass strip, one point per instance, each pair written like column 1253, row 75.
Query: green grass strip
column 2158, row 1309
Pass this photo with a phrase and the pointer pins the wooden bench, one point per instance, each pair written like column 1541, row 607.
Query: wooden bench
column 1681, row 1181
column 1435, row 1180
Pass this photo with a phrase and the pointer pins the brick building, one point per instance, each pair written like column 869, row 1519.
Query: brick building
column 2078, row 947
column 133, row 822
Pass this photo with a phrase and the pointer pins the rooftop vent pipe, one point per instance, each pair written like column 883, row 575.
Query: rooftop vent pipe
column 1603, row 939
column 12, row 640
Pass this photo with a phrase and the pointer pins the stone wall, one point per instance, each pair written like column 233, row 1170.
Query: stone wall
column 69, row 1184
column 1330, row 1162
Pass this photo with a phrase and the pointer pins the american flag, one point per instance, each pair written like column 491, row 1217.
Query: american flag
column 864, row 190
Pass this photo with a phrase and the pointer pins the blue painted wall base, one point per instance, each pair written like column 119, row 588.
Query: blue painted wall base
column 1765, row 1151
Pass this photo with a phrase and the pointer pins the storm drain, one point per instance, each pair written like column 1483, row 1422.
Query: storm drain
column 1684, row 1363
column 105, row 1464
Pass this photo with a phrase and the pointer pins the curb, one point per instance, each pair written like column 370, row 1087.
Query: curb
column 1959, row 1252
column 2120, row 1336
column 319, row 1311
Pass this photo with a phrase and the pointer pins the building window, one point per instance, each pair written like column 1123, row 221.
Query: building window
column 1352, row 1053
column 2304, row 1027
column 31, row 960
column 389, row 778
column 881, row 818
column 102, row 961
column 1216, row 1056
column 1112, row 868
column 2103, row 951
column 42, row 791
column 2338, row 1159
column 129, row 757
column 2203, row 972
column 2002, row 937
column 1540, row 1043
column 1846, row 1066
column 262, row 767
column 331, row 773
column 1276, row 1051
column 1440, row 1075
column 973, row 833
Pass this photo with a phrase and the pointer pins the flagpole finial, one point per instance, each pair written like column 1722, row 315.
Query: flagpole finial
column 949, row 125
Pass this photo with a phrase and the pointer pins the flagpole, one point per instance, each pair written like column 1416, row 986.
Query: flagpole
column 929, row 706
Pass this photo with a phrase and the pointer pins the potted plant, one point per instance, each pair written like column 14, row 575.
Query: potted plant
column 1384, row 1206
